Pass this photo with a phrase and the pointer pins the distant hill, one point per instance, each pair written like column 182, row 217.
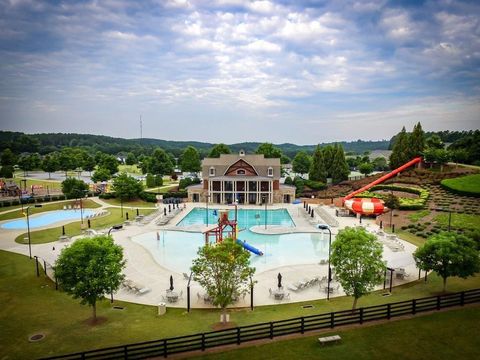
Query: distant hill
column 45, row 143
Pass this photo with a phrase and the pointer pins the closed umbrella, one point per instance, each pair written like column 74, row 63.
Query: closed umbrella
column 171, row 283
column 279, row 280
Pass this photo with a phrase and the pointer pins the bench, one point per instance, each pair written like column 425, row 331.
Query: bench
column 329, row 339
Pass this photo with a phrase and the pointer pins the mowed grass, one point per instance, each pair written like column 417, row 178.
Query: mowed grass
column 460, row 221
column 31, row 305
column 469, row 184
column 128, row 205
column 445, row 335
column 87, row 204
column 74, row 228
column 51, row 184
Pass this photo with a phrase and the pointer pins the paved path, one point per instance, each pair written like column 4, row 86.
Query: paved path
column 143, row 270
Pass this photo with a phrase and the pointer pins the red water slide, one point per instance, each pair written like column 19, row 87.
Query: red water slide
column 383, row 178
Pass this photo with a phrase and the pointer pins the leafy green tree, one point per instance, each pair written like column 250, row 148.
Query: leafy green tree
column 460, row 156
column 380, row 164
column 365, row 168
column 67, row 160
column 299, row 184
column 301, row 163
column 50, row 164
column 269, row 151
column 317, row 168
column 90, row 268
column 217, row 150
column 74, row 188
column 284, row 159
column 438, row 156
column 108, row 162
column 288, row 181
column 190, row 160
column 127, row 187
column 339, row 169
column 224, row 271
column 392, row 202
column 89, row 164
column 417, row 141
column 28, row 162
column 449, row 254
column 150, row 181
column 8, row 158
column 400, row 152
column 434, row 142
column 100, row 175
column 328, row 156
column 131, row 159
column 6, row 171
column 160, row 163
column 357, row 259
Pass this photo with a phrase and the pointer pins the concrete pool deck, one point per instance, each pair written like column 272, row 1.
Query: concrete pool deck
column 144, row 271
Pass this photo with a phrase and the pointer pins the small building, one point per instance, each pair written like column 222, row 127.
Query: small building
column 246, row 179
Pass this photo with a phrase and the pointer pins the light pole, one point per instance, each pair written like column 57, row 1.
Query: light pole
column 28, row 229
column 326, row 227
column 264, row 197
column 206, row 208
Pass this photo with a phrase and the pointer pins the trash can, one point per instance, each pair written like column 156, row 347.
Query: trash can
column 162, row 308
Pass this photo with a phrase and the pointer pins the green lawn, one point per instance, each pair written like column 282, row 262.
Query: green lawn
column 460, row 221
column 469, row 184
column 131, row 169
column 73, row 229
column 417, row 215
column 52, row 184
column 45, row 207
column 162, row 189
column 31, row 305
column 444, row 335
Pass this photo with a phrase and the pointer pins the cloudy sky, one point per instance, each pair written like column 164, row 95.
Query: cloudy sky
column 231, row 70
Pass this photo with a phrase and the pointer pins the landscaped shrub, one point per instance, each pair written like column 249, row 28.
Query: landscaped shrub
column 315, row 185
column 405, row 203
column 149, row 197
column 176, row 194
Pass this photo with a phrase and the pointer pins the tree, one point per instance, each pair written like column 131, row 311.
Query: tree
column 357, row 259
column 301, row 163
column 160, row 163
column 400, row 154
column 90, row 268
column 269, row 151
column 66, row 160
column 126, row 186
column 217, row 150
column 131, row 159
column 108, row 162
column 317, row 168
column 417, row 141
column 392, row 202
column 284, row 159
column 74, row 188
column 8, row 158
column 224, row 271
column 339, row 167
column 190, row 160
column 449, row 254
column 459, row 155
column 365, row 168
column 438, row 156
column 328, row 156
column 89, row 164
column 28, row 162
column 434, row 142
column 380, row 164
column 100, row 175
column 50, row 164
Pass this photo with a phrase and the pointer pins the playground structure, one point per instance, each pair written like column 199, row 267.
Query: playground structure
column 373, row 206
column 228, row 227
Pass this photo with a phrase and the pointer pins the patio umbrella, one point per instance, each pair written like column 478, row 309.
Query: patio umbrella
column 171, row 283
column 279, row 280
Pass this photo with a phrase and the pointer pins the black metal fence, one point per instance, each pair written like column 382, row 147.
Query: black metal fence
column 269, row 330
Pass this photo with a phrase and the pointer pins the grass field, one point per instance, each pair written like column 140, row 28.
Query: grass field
column 127, row 205
column 466, row 184
column 31, row 305
column 45, row 207
column 444, row 335
column 131, row 169
column 460, row 221
column 74, row 228
column 51, row 184
column 417, row 215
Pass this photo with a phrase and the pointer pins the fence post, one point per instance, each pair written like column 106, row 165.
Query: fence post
column 271, row 330
column 414, row 306
column 438, row 302
column 389, row 311
column 203, row 341
column 302, row 325
column 332, row 320
column 462, row 298
column 45, row 267
column 238, row 336
column 361, row 315
column 36, row 266
column 165, row 351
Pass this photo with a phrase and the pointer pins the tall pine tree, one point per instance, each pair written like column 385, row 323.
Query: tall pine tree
column 400, row 152
column 340, row 169
column 417, row 141
column 317, row 169
column 328, row 155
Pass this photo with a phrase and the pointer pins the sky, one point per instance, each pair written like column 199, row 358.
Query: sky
column 300, row 71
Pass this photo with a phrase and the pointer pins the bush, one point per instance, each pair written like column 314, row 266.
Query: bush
column 110, row 195
column 187, row 182
column 315, row 185
column 176, row 194
column 148, row 197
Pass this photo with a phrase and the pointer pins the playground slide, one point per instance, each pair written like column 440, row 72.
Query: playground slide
column 249, row 247
column 383, row 178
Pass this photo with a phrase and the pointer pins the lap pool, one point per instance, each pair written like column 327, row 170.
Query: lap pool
column 46, row 218
column 175, row 250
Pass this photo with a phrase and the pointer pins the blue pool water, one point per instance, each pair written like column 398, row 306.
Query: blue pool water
column 246, row 217
column 46, row 218
column 175, row 250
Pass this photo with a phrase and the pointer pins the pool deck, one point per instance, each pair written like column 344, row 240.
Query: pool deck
column 146, row 273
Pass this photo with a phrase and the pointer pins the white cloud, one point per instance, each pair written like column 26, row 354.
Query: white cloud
column 262, row 45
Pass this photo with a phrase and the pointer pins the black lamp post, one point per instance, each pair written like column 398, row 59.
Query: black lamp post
column 28, row 229
column 326, row 227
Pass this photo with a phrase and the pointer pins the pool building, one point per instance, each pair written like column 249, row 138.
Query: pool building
column 245, row 178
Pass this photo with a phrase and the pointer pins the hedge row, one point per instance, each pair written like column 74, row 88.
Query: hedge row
column 32, row 200
column 405, row 203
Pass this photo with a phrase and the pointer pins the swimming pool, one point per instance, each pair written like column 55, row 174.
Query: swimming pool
column 246, row 217
column 175, row 250
column 46, row 218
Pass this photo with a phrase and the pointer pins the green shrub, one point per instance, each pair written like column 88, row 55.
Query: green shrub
column 148, row 197
column 315, row 185
column 405, row 203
